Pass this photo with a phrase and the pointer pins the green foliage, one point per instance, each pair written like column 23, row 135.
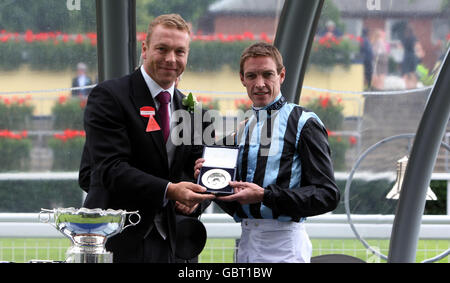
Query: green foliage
column 369, row 197
column 68, row 147
column 330, row 12
column 67, row 150
column 190, row 10
column 208, row 103
column 15, row 114
column 329, row 111
column 11, row 55
column 68, row 113
column 189, row 102
column 338, row 147
column 424, row 75
column 203, row 55
column 31, row 196
column 41, row 16
column 46, row 55
column 214, row 55
column 66, row 154
column 61, row 56
column 15, row 153
column 216, row 250
column 445, row 5
column 329, row 51
column 243, row 104
column 440, row 205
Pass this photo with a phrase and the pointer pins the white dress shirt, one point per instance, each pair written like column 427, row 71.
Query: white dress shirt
column 155, row 89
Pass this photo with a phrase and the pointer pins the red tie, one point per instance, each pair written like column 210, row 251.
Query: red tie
column 163, row 112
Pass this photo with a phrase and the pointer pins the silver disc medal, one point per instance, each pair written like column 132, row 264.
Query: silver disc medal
column 216, row 179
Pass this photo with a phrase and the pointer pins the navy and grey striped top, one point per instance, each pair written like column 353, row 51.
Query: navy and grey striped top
column 274, row 148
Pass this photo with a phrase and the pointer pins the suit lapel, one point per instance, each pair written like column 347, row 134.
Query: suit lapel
column 178, row 100
column 177, row 105
column 141, row 97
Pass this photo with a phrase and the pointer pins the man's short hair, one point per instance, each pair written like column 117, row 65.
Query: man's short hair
column 262, row 49
column 81, row 66
column 170, row 21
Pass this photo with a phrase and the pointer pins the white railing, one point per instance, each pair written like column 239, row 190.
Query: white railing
column 328, row 226
column 74, row 176
column 223, row 226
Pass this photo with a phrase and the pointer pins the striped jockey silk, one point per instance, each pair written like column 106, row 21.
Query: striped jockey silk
column 268, row 153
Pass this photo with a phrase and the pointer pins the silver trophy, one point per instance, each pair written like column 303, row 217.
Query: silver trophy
column 88, row 229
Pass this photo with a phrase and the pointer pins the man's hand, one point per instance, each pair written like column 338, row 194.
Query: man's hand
column 187, row 193
column 245, row 193
column 198, row 165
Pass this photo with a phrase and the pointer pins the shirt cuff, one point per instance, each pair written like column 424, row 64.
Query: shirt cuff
column 267, row 199
column 165, row 200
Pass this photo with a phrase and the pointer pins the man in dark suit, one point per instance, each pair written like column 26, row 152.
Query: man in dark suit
column 130, row 161
column 82, row 79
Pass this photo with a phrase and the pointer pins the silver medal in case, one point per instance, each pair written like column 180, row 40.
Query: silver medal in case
column 216, row 179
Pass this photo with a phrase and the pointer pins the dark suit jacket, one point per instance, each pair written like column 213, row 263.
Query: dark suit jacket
column 125, row 167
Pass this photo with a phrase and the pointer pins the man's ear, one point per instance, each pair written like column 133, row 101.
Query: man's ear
column 282, row 75
column 242, row 79
column 144, row 50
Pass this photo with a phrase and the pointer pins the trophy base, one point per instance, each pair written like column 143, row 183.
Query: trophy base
column 83, row 257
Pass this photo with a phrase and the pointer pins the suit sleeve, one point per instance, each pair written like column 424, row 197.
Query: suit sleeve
column 109, row 146
column 318, row 192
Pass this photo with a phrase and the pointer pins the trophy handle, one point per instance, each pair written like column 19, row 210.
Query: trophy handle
column 129, row 219
column 49, row 212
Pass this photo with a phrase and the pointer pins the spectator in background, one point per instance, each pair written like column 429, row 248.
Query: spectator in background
column 381, row 58
column 420, row 52
column 409, row 63
column 81, row 80
column 367, row 57
column 330, row 30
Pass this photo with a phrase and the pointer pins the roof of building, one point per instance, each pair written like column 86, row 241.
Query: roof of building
column 397, row 7
column 246, row 6
column 348, row 7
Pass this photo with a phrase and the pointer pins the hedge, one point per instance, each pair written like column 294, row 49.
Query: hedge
column 68, row 113
column 46, row 55
column 15, row 114
column 14, row 151
column 31, row 196
column 212, row 56
column 203, row 56
column 66, row 152
column 368, row 197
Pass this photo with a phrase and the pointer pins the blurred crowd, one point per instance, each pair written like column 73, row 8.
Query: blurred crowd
column 393, row 64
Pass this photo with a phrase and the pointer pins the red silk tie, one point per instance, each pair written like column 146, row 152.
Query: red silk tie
column 163, row 113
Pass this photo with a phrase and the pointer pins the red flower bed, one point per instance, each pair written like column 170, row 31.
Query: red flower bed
column 6, row 134
column 69, row 134
column 56, row 37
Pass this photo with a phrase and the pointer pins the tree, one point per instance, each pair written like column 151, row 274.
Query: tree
column 330, row 12
column 190, row 10
column 445, row 5
column 47, row 15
